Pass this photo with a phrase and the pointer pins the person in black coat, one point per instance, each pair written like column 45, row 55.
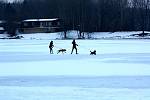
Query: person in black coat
column 51, row 45
column 74, row 46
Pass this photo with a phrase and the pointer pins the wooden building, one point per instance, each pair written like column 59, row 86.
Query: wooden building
column 2, row 24
column 40, row 25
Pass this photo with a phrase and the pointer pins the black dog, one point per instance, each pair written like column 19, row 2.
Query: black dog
column 93, row 52
column 62, row 50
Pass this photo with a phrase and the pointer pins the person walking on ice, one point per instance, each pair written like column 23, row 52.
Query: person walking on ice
column 74, row 46
column 51, row 45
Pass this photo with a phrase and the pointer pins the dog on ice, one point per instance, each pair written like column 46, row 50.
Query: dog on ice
column 93, row 52
column 62, row 50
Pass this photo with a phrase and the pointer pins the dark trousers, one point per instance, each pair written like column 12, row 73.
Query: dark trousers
column 73, row 49
column 51, row 50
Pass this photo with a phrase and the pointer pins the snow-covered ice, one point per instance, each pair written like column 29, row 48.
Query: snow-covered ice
column 119, row 71
column 75, row 88
column 114, row 57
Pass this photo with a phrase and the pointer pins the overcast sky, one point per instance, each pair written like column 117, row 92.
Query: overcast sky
column 11, row 0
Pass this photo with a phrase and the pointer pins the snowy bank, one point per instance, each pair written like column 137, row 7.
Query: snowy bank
column 93, row 35
column 74, row 34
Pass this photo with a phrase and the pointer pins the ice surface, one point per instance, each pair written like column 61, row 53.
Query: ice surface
column 75, row 88
column 114, row 57
column 119, row 71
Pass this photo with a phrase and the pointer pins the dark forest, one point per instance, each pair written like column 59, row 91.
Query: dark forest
column 86, row 15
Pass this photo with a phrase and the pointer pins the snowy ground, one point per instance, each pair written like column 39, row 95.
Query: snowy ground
column 119, row 71
column 75, row 88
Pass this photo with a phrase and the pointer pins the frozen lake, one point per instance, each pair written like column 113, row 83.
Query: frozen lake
column 75, row 88
column 119, row 71
column 114, row 57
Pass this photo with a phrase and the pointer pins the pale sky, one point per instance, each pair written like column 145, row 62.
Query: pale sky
column 11, row 0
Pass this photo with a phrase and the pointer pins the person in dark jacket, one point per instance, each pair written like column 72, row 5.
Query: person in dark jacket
column 74, row 46
column 51, row 45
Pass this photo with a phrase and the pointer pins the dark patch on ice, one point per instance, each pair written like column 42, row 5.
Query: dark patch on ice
column 106, row 58
column 136, row 82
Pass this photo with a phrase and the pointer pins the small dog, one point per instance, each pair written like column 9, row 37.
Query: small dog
column 62, row 50
column 93, row 52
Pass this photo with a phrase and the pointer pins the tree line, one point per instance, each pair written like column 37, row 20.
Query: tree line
column 83, row 15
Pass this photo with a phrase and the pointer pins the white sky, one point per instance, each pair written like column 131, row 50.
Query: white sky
column 11, row 0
